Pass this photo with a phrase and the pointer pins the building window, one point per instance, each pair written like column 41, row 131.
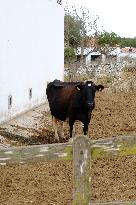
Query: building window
column 30, row 93
column 9, row 101
column 59, row 2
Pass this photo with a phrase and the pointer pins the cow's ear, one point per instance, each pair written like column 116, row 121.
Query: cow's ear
column 99, row 87
column 80, row 87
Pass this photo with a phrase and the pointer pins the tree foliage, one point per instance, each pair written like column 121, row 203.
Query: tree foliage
column 104, row 38
column 106, row 42
column 71, row 31
column 128, row 42
column 112, row 39
column 77, row 29
column 69, row 54
column 78, row 25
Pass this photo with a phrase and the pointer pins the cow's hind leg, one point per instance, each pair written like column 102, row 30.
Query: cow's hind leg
column 55, row 127
column 71, row 125
column 62, row 129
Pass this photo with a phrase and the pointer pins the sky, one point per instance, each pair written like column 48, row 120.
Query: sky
column 114, row 15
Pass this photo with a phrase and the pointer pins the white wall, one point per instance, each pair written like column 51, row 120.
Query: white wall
column 128, row 55
column 31, row 52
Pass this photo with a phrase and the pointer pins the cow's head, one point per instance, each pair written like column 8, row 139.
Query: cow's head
column 87, row 92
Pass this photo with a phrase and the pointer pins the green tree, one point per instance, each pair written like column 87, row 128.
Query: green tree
column 79, row 25
column 106, row 42
column 69, row 54
column 72, row 36
column 128, row 42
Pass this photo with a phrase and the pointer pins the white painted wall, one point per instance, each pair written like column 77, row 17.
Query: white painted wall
column 31, row 52
column 128, row 55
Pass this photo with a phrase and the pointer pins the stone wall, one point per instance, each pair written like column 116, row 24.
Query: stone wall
column 96, row 71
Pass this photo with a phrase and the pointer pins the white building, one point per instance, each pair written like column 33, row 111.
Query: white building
column 128, row 52
column 31, row 52
column 92, row 53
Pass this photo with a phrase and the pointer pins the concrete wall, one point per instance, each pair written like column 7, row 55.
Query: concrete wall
column 31, row 52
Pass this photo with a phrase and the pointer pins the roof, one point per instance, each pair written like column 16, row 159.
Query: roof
column 86, row 51
column 94, row 51
column 128, row 50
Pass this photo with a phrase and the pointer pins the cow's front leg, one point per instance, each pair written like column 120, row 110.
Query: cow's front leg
column 85, row 128
column 55, row 127
column 72, row 129
column 71, row 124
column 86, row 124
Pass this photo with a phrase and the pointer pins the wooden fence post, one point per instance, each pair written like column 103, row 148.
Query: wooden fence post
column 81, row 171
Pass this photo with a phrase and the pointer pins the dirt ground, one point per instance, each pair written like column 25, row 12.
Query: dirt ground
column 113, row 179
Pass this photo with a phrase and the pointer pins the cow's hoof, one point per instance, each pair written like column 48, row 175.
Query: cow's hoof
column 70, row 140
column 57, row 140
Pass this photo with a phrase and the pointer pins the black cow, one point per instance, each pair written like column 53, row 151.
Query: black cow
column 72, row 100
